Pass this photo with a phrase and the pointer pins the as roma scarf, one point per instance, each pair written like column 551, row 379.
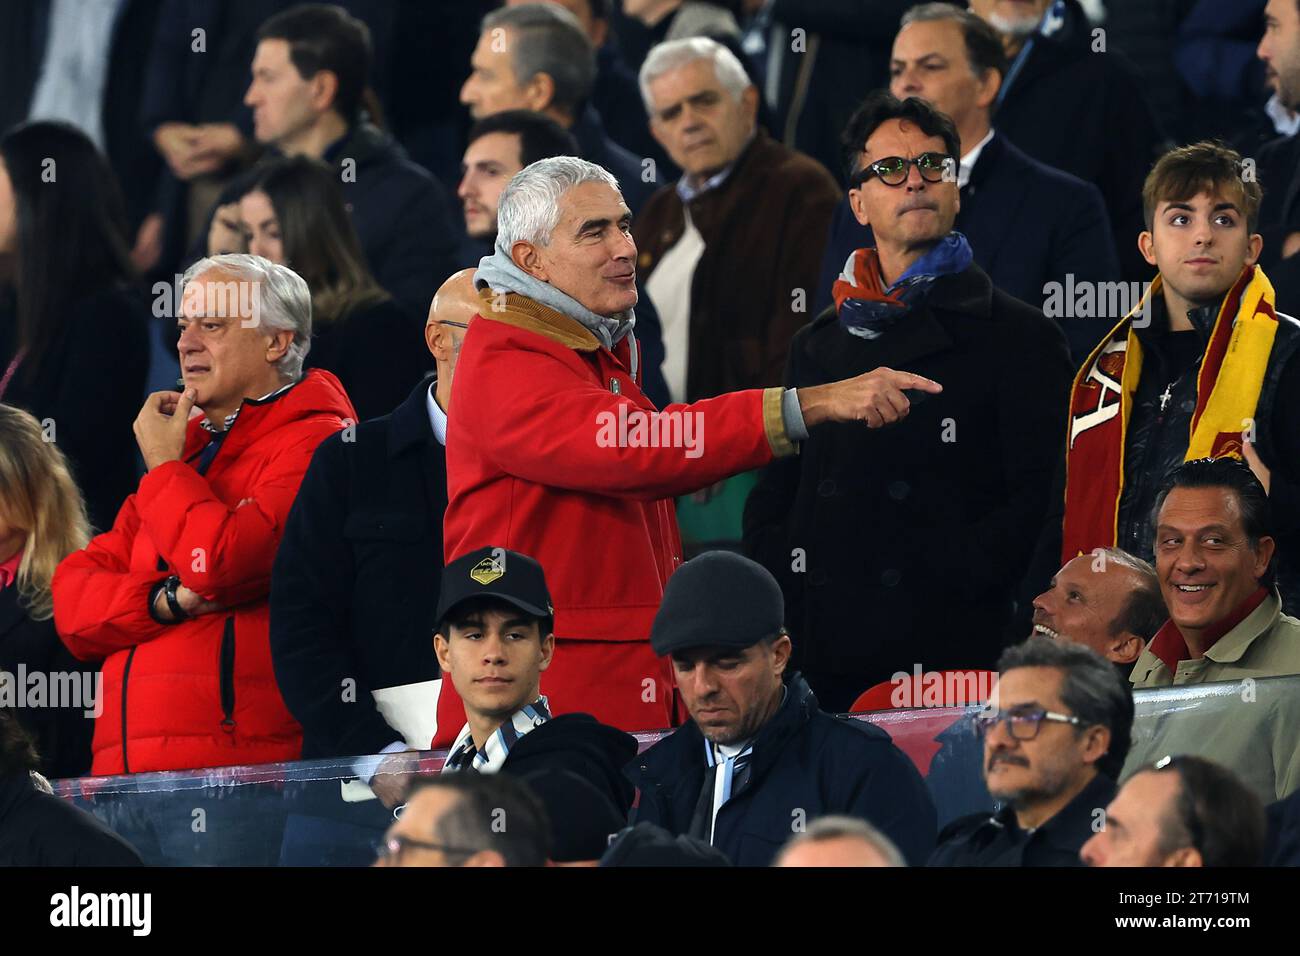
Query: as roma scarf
column 1227, row 391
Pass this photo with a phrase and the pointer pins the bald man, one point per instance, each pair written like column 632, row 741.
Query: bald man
column 353, row 595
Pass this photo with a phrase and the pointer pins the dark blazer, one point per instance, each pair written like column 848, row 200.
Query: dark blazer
column 62, row 734
column 39, row 829
column 90, row 386
column 1028, row 224
column 912, row 538
column 355, row 583
column 803, row 760
column 984, row 839
column 375, row 354
column 598, row 148
column 1086, row 113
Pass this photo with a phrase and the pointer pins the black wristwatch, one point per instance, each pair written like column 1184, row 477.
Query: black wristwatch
column 168, row 588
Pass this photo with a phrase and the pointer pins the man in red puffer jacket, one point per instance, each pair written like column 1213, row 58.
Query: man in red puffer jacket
column 173, row 599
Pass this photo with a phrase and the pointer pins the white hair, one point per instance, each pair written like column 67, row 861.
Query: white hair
column 529, row 206
column 838, row 827
column 274, row 296
column 676, row 54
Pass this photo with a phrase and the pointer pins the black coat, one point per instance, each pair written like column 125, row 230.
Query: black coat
column 1028, row 224
column 982, row 839
column 402, row 217
column 582, row 745
column 90, row 386
column 903, row 545
column 355, row 583
column 1279, row 216
column 38, row 829
column 62, row 734
column 806, row 764
column 598, row 148
column 1085, row 112
column 376, row 354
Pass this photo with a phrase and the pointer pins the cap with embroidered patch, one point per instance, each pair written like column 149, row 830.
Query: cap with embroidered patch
column 497, row 573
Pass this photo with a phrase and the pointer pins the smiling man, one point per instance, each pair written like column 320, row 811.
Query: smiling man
column 759, row 757
column 1205, row 367
column 1056, row 733
column 1109, row 601
column 534, row 465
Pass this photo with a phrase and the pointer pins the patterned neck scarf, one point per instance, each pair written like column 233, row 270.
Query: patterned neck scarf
column 867, row 309
column 465, row 756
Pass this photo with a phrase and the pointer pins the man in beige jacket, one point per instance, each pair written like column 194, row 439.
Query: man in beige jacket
column 1214, row 551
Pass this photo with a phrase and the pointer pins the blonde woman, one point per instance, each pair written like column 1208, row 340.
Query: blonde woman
column 42, row 520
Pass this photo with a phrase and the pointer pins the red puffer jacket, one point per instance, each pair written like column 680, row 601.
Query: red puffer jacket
column 544, row 457
column 200, row 693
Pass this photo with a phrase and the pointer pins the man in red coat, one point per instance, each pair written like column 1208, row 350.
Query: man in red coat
column 173, row 599
column 555, row 452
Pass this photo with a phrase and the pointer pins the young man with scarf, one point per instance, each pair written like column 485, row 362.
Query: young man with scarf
column 495, row 640
column 555, row 451
column 903, row 546
column 1204, row 367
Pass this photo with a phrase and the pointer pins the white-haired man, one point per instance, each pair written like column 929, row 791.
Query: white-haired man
column 555, row 451
column 729, row 254
column 173, row 599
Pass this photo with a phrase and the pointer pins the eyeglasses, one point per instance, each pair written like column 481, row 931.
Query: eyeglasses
column 894, row 170
column 457, row 325
column 1023, row 724
column 391, row 848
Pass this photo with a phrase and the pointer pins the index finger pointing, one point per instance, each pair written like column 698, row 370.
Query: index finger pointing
column 919, row 382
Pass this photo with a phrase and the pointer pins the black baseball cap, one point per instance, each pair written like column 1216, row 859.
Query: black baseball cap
column 496, row 573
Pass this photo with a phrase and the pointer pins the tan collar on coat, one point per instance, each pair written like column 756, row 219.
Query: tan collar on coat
column 524, row 313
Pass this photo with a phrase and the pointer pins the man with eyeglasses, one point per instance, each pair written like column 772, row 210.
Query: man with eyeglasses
column 1028, row 224
column 467, row 819
column 1056, row 732
column 354, row 592
column 1181, row 811
column 903, row 547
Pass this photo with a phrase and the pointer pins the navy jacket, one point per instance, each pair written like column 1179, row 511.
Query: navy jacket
column 354, row 588
column 806, row 764
column 1028, row 225
column 598, row 148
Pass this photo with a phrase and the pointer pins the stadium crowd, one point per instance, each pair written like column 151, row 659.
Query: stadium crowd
column 774, row 352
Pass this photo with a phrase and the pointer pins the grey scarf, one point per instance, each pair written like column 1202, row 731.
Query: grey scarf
column 499, row 272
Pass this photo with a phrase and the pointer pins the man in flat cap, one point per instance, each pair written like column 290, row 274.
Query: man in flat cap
column 759, row 759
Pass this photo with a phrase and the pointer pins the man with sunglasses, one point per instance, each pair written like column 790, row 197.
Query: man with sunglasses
column 354, row 592
column 1056, row 732
column 903, row 547
column 1028, row 224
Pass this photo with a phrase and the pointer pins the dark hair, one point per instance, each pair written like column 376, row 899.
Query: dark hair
column 1214, row 812
column 540, row 137
column 494, row 812
column 1091, row 689
column 1144, row 610
column 882, row 106
column 459, row 614
column 17, row 748
column 71, row 230
column 320, row 242
column 548, row 39
column 1208, row 166
column 323, row 36
column 1235, row 475
column 983, row 44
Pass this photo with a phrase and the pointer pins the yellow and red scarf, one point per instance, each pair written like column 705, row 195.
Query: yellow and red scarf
column 1101, row 401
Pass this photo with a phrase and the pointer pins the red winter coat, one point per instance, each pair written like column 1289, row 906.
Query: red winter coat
column 200, row 693
column 530, row 468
